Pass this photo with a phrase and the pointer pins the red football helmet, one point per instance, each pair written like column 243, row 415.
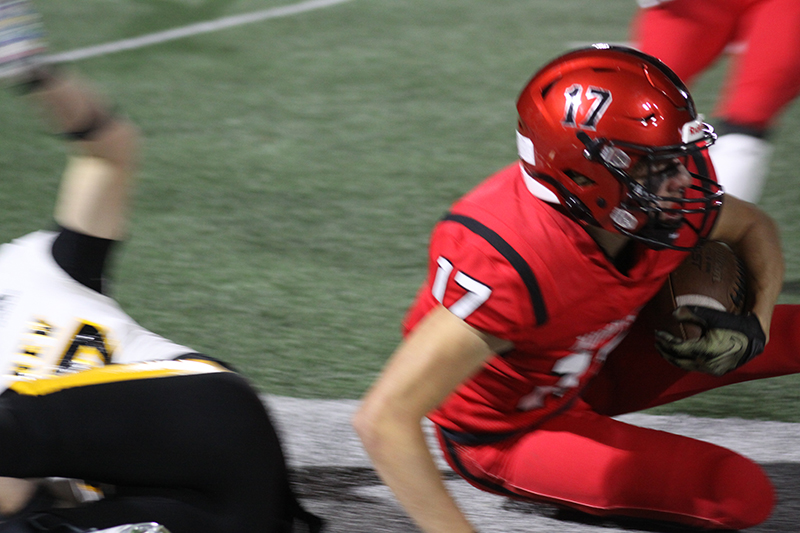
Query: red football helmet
column 590, row 116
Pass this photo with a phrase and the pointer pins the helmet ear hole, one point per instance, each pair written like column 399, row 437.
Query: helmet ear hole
column 579, row 179
column 546, row 88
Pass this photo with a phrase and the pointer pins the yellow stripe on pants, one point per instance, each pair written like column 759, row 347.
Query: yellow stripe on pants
column 115, row 373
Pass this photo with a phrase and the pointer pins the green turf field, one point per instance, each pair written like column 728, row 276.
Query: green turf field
column 294, row 167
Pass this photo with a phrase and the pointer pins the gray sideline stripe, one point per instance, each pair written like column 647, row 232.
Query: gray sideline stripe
column 310, row 426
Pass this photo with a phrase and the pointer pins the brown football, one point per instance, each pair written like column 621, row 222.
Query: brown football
column 712, row 276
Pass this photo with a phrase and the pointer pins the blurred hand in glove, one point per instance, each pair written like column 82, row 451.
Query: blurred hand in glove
column 728, row 341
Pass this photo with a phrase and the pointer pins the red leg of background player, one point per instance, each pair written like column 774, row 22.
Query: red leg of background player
column 765, row 76
column 689, row 36
column 685, row 34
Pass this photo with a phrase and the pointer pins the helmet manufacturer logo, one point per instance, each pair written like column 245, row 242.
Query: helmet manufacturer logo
column 623, row 219
column 574, row 96
column 694, row 130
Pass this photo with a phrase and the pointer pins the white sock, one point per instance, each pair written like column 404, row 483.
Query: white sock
column 741, row 163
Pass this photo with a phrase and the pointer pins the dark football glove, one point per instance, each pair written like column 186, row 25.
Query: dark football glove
column 728, row 341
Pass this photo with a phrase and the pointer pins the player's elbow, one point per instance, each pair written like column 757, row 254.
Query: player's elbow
column 375, row 423
column 366, row 423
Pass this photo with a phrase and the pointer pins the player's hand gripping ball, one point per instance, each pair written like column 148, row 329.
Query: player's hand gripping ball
column 707, row 328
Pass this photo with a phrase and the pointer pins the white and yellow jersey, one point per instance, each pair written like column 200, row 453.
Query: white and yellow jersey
column 51, row 324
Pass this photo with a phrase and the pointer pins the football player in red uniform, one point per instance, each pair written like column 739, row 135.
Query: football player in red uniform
column 764, row 76
column 516, row 345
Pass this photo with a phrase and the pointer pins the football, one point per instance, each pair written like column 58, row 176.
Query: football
column 712, row 276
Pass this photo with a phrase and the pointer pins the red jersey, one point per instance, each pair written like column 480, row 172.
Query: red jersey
column 518, row 268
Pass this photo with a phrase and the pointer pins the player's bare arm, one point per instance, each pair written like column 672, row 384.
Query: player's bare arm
column 754, row 237
column 442, row 352
column 94, row 194
column 94, row 190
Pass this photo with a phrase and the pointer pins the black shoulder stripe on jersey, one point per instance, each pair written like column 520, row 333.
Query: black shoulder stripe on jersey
column 513, row 257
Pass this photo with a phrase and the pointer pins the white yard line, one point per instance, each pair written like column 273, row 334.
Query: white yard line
column 191, row 30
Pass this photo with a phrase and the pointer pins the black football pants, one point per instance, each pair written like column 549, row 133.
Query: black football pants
column 196, row 453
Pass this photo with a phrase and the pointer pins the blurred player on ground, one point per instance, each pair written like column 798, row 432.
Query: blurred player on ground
column 173, row 439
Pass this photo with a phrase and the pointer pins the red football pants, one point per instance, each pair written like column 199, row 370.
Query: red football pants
column 588, row 461
column 689, row 35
